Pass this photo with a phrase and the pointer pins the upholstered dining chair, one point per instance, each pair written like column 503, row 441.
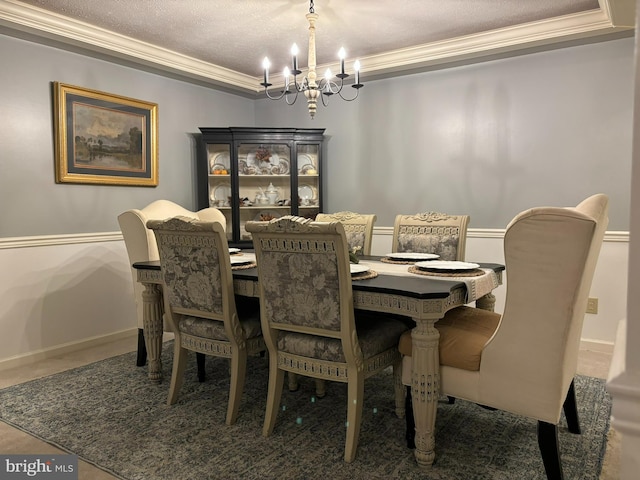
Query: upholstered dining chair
column 196, row 271
column 524, row 361
column 431, row 232
column 358, row 228
column 308, row 320
column 141, row 247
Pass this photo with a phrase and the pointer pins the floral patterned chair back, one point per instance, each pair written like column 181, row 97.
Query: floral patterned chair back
column 307, row 315
column 431, row 232
column 358, row 228
column 314, row 294
column 198, row 287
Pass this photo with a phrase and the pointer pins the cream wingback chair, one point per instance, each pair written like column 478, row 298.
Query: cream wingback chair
column 357, row 226
column 431, row 232
column 204, row 319
column 308, row 320
column 524, row 362
column 141, row 247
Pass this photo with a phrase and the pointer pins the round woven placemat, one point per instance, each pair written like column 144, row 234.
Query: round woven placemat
column 476, row 272
column 244, row 267
column 398, row 262
column 364, row 275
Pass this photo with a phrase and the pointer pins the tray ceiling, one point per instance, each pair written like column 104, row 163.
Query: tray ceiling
column 222, row 42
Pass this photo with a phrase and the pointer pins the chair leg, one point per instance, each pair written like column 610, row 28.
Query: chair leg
column 321, row 388
column 236, row 384
column 274, row 394
column 410, row 435
column 570, row 408
column 355, row 389
column 200, row 360
column 398, row 388
column 293, row 382
column 177, row 374
column 548, row 443
column 141, row 359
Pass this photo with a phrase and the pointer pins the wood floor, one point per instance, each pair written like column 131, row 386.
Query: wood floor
column 592, row 362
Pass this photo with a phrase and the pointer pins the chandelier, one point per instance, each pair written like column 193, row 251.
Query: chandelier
column 309, row 86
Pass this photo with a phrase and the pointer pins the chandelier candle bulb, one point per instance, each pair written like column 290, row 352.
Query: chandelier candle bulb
column 341, row 55
column 294, row 55
column 266, row 64
column 327, row 84
column 356, row 67
column 286, row 74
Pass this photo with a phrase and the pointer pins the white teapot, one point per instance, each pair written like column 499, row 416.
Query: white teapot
column 261, row 198
column 272, row 194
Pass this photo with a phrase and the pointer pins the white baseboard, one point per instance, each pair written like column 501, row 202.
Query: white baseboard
column 58, row 350
column 596, row 346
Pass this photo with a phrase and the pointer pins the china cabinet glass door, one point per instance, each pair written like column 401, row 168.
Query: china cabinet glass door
column 264, row 183
column 219, row 181
column 256, row 174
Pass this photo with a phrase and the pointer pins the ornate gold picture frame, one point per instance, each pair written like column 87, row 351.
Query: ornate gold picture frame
column 105, row 139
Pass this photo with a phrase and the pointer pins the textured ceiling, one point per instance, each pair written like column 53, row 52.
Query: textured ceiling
column 231, row 37
column 237, row 34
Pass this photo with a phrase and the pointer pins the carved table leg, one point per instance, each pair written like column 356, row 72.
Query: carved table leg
column 487, row 302
column 425, row 388
column 152, row 313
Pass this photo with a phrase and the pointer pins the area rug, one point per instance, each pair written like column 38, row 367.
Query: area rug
column 110, row 415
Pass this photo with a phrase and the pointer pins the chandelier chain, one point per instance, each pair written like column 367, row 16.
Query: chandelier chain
column 311, row 10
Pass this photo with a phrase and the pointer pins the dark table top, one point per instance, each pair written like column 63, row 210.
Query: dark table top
column 414, row 287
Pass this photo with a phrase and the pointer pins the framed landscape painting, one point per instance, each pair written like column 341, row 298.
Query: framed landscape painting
column 103, row 138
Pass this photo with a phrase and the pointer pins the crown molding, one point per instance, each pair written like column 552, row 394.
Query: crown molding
column 44, row 24
column 613, row 16
column 534, row 34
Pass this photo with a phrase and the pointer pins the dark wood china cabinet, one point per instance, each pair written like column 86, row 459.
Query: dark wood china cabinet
column 259, row 174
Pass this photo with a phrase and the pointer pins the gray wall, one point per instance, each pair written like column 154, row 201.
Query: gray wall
column 488, row 139
column 32, row 203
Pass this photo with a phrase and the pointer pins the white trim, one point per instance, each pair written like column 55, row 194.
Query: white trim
column 65, row 348
column 610, row 236
column 73, row 238
column 50, row 240
column 596, row 345
column 528, row 35
column 41, row 23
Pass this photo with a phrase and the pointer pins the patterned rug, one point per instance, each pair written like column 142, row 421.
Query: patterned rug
column 110, row 415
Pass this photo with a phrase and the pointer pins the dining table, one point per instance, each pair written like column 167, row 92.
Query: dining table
column 396, row 288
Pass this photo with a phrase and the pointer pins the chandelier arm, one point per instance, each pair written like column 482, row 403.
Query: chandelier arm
column 325, row 102
column 295, row 97
column 349, row 99
column 266, row 91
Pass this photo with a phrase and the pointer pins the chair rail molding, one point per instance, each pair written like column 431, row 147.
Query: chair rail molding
column 610, row 236
column 74, row 238
column 66, row 239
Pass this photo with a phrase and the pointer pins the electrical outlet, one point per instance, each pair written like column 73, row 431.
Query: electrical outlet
column 592, row 305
